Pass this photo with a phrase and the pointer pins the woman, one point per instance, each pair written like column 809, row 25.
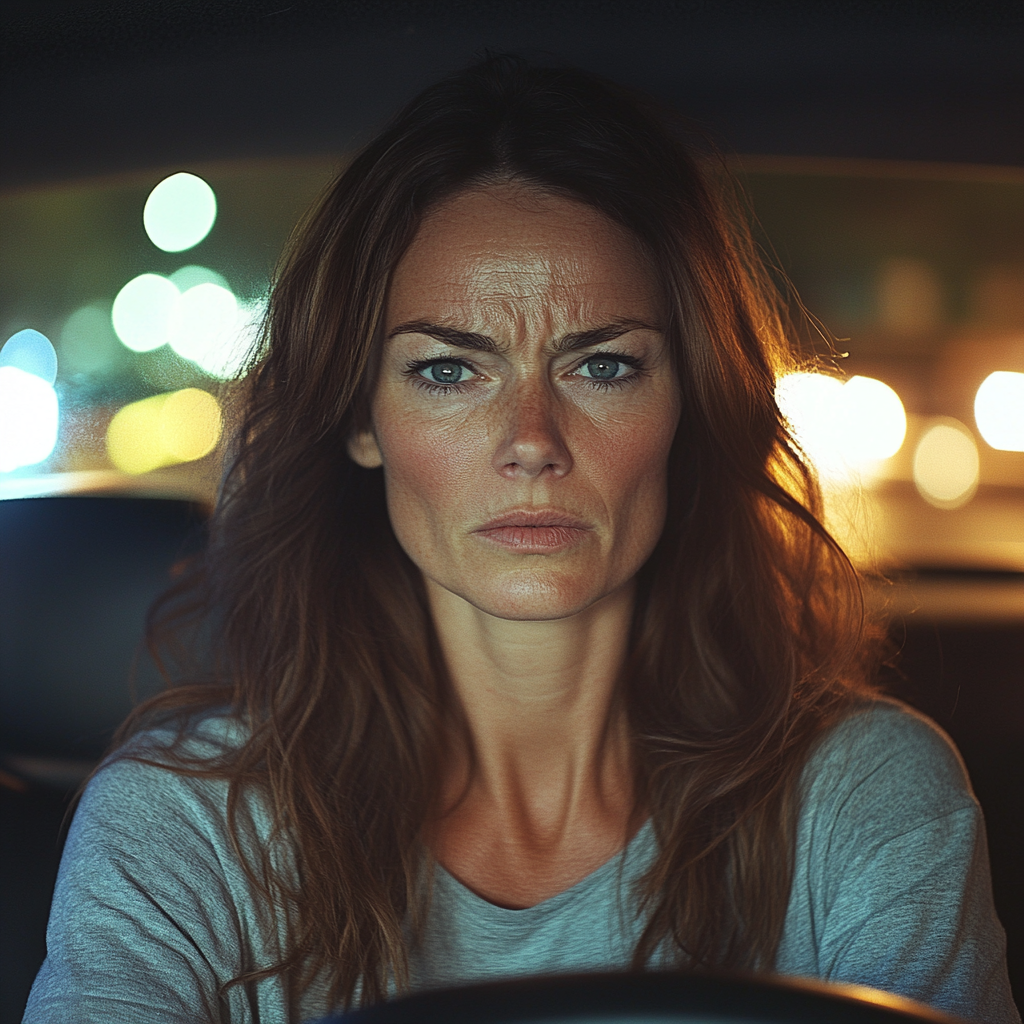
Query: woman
column 530, row 650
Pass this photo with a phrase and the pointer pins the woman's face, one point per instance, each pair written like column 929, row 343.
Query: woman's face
column 526, row 404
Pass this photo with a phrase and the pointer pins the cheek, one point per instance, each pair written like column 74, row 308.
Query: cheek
column 426, row 470
column 415, row 467
column 628, row 461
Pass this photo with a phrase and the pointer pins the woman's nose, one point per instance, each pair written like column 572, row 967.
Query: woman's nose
column 531, row 442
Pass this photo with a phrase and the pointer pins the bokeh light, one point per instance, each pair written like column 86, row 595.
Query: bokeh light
column 231, row 357
column 216, row 331
column 876, row 422
column 999, row 410
column 133, row 436
column 190, row 424
column 145, row 312
column 946, row 464
column 809, row 402
column 179, row 212
column 87, row 340
column 193, row 274
column 30, row 351
column 180, row 426
column 208, row 319
column 845, row 429
column 29, row 415
column 195, row 311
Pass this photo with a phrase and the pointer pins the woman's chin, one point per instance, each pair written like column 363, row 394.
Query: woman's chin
column 529, row 596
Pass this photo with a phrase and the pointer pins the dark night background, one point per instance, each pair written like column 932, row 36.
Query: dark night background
column 94, row 87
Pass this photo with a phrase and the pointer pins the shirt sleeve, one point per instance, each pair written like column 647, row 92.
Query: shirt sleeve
column 144, row 924
column 898, row 862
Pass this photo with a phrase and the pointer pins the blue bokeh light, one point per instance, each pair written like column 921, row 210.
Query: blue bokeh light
column 31, row 351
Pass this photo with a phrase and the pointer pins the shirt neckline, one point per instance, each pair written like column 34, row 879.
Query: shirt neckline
column 639, row 849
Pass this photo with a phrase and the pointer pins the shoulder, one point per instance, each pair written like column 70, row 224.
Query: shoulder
column 885, row 768
column 207, row 735
column 145, row 826
column 890, row 855
column 883, row 730
column 139, row 789
column 153, row 905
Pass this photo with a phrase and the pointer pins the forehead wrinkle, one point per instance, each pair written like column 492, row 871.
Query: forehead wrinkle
column 502, row 320
column 559, row 279
column 563, row 283
column 503, row 260
column 570, row 342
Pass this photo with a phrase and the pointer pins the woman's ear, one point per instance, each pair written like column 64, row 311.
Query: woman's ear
column 363, row 450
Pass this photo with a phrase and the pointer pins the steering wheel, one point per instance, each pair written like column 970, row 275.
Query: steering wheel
column 652, row 998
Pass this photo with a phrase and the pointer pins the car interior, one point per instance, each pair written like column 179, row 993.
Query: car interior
column 161, row 153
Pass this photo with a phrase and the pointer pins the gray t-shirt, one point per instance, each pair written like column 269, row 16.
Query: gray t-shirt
column 891, row 889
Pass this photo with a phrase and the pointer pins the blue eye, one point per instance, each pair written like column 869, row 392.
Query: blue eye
column 444, row 372
column 602, row 368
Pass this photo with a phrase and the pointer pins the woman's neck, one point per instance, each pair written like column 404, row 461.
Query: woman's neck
column 550, row 749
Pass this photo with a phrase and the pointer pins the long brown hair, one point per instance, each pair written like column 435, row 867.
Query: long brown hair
column 748, row 639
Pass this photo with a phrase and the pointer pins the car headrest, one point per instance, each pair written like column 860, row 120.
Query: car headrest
column 77, row 575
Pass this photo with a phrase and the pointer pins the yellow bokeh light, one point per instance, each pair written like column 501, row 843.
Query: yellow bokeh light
column 133, row 436
column 946, row 464
column 999, row 410
column 876, row 422
column 180, row 426
column 845, row 428
column 808, row 401
column 190, row 424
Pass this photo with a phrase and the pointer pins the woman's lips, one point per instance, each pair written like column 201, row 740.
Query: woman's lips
column 534, row 532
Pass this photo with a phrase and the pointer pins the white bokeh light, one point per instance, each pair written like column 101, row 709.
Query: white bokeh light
column 214, row 330
column 207, row 313
column 999, row 410
column 179, row 212
column 845, row 428
column 809, row 402
column 195, row 312
column 232, row 352
column 146, row 311
column 188, row 277
column 946, row 464
column 876, row 422
column 29, row 416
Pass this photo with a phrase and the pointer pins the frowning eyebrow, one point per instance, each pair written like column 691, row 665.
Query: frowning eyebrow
column 483, row 343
